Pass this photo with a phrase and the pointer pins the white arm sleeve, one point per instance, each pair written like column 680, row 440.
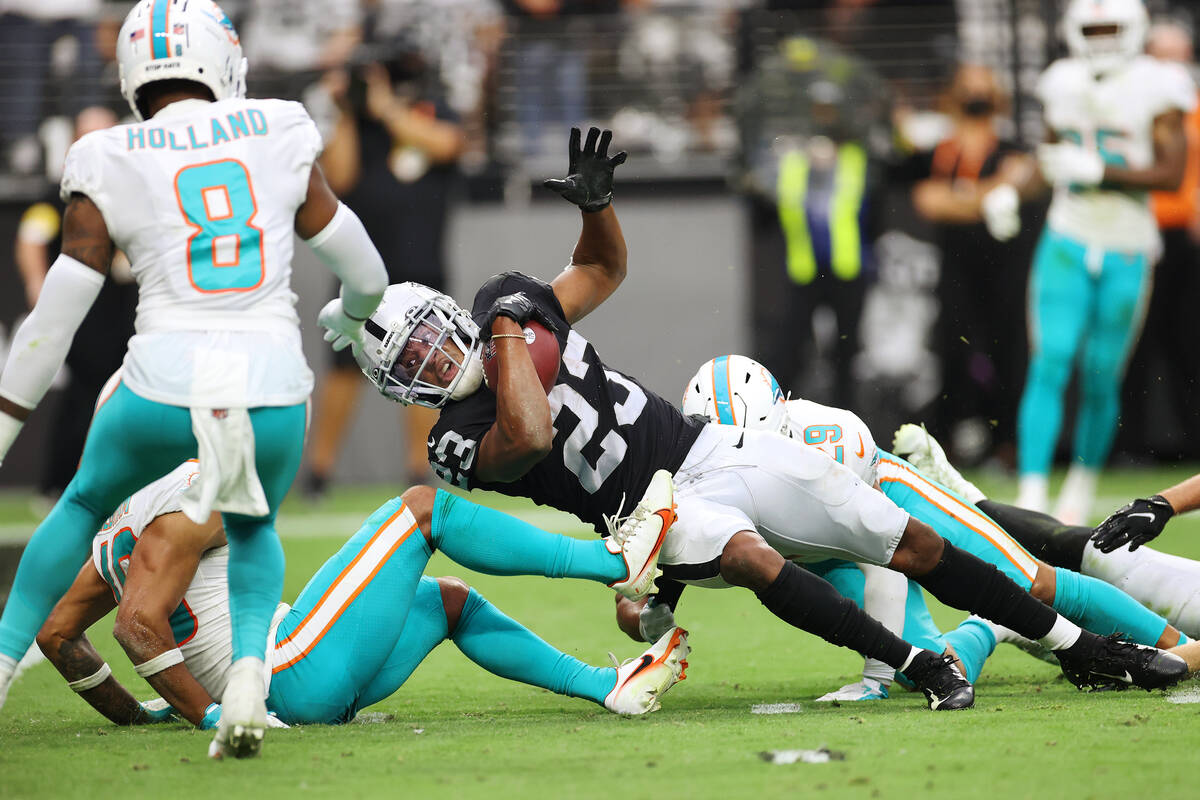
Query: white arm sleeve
column 40, row 345
column 346, row 249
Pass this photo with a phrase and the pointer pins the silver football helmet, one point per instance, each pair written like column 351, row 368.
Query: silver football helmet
column 421, row 348
column 736, row 390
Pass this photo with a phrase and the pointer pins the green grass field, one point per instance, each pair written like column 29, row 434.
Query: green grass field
column 455, row 731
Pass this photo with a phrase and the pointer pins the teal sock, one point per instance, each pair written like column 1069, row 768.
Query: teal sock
column 505, row 647
column 973, row 641
column 1103, row 608
column 255, row 582
column 496, row 544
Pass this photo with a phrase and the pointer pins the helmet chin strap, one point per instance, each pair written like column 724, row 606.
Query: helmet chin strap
column 470, row 379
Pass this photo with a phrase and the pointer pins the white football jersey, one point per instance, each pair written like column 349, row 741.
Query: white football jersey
column 201, row 622
column 202, row 198
column 1113, row 114
column 838, row 433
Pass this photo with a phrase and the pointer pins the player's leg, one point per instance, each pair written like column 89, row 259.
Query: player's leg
column 1059, row 288
column 256, row 576
column 494, row 543
column 1167, row 584
column 1122, row 293
column 345, row 624
column 1091, row 604
column 132, row 442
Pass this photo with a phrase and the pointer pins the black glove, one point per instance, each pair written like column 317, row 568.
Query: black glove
column 517, row 307
column 1136, row 523
column 589, row 181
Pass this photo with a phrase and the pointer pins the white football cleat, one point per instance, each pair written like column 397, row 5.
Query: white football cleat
column 915, row 444
column 243, row 712
column 866, row 689
column 639, row 537
column 642, row 681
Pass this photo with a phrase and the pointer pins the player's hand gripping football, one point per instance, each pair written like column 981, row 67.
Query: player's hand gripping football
column 1134, row 523
column 589, row 181
column 517, row 307
column 341, row 329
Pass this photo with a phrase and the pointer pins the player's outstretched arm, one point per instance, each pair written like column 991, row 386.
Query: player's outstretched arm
column 1139, row 521
column 337, row 236
column 163, row 565
column 64, row 643
column 40, row 345
column 598, row 263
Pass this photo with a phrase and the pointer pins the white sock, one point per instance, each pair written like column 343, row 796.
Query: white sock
column 8, row 665
column 911, row 655
column 1078, row 492
column 1033, row 492
column 1166, row 584
column 876, row 670
column 1064, row 634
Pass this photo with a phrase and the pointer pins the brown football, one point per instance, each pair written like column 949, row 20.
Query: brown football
column 543, row 349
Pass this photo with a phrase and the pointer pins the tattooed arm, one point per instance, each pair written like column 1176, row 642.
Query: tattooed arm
column 63, row 641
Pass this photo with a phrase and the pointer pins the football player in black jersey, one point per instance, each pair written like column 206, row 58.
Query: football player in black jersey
column 599, row 436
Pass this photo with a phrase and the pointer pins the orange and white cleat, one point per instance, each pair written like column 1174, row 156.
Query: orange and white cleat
column 639, row 537
column 642, row 681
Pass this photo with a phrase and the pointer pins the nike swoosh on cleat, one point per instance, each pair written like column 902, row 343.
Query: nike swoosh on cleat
column 1127, row 678
column 646, row 661
column 741, row 439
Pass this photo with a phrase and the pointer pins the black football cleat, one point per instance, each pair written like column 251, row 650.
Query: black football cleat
column 943, row 684
column 1111, row 663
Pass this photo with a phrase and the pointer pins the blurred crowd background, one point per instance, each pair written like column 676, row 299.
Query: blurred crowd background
column 745, row 120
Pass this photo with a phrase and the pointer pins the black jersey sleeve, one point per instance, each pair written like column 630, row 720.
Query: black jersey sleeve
column 506, row 283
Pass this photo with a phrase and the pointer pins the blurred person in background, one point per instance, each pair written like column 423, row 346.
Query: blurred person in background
column 980, row 340
column 292, row 42
column 99, row 345
column 1114, row 121
column 43, row 41
column 814, row 131
column 1167, row 353
column 392, row 159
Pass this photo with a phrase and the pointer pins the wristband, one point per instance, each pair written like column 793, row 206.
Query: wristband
column 159, row 663
column 91, row 681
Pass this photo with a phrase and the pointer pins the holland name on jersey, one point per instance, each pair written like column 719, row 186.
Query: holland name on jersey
column 251, row 122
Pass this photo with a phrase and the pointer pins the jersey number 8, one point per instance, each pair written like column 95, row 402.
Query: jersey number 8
column 225, row 249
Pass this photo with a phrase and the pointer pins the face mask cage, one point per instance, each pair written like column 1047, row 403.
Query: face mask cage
column 416, row 352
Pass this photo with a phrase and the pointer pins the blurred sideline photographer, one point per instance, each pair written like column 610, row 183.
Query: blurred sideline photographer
column 980, row 338
column 392, row 158
column 99, row 345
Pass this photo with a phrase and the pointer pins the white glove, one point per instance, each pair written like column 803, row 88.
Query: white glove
column 1066, row 164
column 159, row 710
column 1002, row 212
column 866, row 689
column 341, row 330
column 655, row 620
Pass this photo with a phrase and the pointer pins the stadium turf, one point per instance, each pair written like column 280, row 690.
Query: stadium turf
column 455, row 731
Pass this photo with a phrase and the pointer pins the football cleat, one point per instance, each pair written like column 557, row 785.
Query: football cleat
column 1112, row 663
column 943, row 684
column 243, row 713
column 866, row 689
column 642, row 681
column 915, row 445
column 639, row 537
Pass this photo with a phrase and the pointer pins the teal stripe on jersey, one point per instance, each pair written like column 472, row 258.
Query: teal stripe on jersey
column 158, row 28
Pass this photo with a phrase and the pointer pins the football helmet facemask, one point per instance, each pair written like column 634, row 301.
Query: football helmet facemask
column 421, row 348
column 168, row 40
column 1105, row 33
column 736, row 390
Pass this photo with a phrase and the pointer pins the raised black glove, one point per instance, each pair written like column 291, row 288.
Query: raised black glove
column 1136, row 523
column 589, row 181
column 517, row 307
